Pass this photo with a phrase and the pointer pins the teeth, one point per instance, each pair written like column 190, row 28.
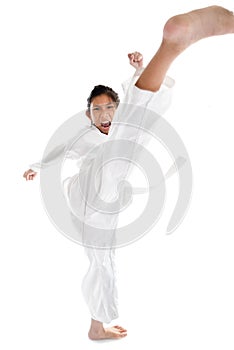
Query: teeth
column 105, row 124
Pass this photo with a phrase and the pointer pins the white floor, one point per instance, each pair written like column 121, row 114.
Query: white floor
column 175, row 292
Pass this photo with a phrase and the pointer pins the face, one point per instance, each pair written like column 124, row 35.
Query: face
column 102, row 110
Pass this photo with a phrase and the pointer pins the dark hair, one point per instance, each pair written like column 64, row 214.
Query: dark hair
column 100, row 90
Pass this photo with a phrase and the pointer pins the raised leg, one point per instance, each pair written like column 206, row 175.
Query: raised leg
column 179, row 33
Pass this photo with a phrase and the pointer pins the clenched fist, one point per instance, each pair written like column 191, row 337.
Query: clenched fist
column 30, row 174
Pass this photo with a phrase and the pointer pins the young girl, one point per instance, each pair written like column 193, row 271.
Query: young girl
column 99, row 286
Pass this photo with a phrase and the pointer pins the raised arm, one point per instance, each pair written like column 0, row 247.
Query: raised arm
column 136, row 60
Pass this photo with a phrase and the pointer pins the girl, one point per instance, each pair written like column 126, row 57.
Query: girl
column 179, row 33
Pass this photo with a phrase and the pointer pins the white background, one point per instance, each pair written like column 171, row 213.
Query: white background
column 176, row 292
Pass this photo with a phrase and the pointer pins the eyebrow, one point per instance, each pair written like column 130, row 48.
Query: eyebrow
column 104, row 104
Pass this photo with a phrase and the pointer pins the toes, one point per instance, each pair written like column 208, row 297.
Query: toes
column 121, row 329
column 121, row 334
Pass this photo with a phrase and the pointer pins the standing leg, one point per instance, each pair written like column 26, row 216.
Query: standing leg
column 100, row 293
column 179, row 33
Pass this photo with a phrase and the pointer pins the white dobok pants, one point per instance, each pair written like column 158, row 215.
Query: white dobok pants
column 98, row 231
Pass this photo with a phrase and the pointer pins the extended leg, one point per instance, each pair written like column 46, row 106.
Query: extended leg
column 179, row 33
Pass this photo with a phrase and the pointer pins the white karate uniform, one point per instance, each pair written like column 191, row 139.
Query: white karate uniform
column 99, row 284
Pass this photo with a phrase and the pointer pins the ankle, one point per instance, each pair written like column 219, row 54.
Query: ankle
column 96, row 326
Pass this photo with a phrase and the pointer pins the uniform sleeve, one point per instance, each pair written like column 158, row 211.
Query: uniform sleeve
column 57, row 154
column 54, row 156
column 132, row 80
column 68, row 148
column 158, row 101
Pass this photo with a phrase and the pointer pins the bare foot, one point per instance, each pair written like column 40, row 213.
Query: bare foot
column 185, row 29
column 179, row 33
column 98, row 332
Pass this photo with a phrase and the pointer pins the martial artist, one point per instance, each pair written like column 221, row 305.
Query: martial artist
column 179, row 33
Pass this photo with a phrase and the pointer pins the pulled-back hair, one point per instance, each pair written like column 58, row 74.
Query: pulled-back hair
column 100, row 90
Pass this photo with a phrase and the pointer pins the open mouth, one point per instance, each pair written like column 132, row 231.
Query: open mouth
column 106, row 125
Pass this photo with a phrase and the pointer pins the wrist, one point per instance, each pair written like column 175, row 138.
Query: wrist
column 138, row 71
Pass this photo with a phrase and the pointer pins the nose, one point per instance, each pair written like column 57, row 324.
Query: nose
column 104, row 113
